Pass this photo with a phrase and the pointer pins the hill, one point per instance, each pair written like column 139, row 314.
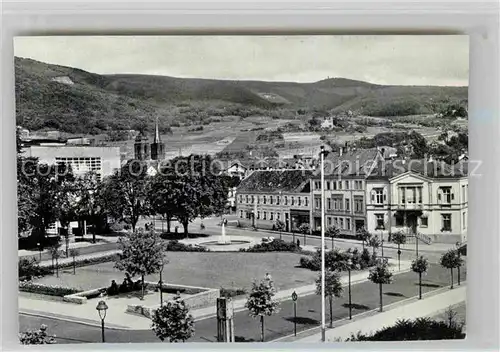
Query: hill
column 76, row 101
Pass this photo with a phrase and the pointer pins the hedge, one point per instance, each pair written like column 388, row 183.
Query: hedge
column 59, row 291
column 176, row 246
column 273, row 246
column 88, row 261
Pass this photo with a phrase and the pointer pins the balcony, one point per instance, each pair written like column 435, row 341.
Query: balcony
column 409, row 206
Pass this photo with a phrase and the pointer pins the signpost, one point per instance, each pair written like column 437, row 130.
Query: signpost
column 294, row 299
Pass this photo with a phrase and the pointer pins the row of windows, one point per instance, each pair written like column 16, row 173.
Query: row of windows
column 413, row 195
column 299, row 201
column 339, row 222
column 261, row 215
column 339, row 185
column 424, row 222
column 338, row 203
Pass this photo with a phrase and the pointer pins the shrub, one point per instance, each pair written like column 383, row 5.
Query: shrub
column 176, row 246
column 37, row 337
column 29, row 268
column 52, row 290
column 90, row 261
column 336, row 260
column 232, row 292
column 273, row 246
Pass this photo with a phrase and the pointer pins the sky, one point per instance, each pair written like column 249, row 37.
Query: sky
column 397, row 60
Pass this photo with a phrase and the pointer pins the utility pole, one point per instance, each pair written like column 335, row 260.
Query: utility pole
column 323, row 327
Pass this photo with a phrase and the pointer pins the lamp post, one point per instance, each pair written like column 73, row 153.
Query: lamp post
column 349, row 265
column 40, row 250
column 102, row 307
column 294, row 299
column 323, row 327
column 458, row 244
column 160, row 284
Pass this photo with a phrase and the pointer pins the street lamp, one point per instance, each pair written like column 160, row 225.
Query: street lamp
column 102, row 307
column 323, row 327
column 349, row 265
column 458, row 244
column 160, row 284
column 40, row 250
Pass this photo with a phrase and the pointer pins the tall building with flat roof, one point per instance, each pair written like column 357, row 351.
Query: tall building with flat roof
column 82, row 159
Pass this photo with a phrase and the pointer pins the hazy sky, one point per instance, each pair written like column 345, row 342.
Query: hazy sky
column 406, row 60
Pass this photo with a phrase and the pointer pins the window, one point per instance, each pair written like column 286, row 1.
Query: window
column 299, row 200
column 278, row 216
column 347, row 204
column 337, row 203
column 306, row 201
column 317, row 184
column 329, row 203
column 317, row 203
column 258, row 199
column 246, row 199
column 424, row 222
column 258, row 215
column 329, row 219
column 379, row 221
column 253, row 199
column 348, row 223
column 293, row 201
column 271, row 216
column 340, row 184
column 241, row 198
column 464, row 220
column 341, row 223
column 358, row 204
column 265, row 200
column 464, row 194
column 419, row 191
column 378, row 196
column 286, row 200
column 334, row 185
column 336, row 221
column 446, row 222
column 446, row 194
column 277, row 200
column 346, row 184
column 327, row 185
column 241, row 214
column 264, row 215
column 400, row 221
column 271, row 200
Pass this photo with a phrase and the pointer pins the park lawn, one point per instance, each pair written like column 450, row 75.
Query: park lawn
column 213, row 270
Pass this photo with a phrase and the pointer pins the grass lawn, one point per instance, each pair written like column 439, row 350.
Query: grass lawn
column 214, row 270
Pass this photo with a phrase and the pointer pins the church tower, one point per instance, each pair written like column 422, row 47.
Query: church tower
column 141, row 147
column 157, row 147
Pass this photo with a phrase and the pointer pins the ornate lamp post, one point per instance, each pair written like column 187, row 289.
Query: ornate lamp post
column 102, row 307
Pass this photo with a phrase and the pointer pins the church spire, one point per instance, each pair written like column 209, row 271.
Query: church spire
column 157, row 133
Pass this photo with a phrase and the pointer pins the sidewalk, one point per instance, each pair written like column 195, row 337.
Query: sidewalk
column 118, row 318
column 101, row 239
column 420, row 308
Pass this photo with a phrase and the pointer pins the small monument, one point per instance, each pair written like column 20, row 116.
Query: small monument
column 223, row 239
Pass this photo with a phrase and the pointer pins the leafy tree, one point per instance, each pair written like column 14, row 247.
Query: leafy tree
column 162, row 197
column 37, row 337
column 420, row 266
column 419, row 145
column 199, row 190
column 363, row 234
column 173, row 321
column 399, row 238
column 451, row 260
column 279, row 226
column 374, row 242
column 333, row 288
column 304, row 228
column 141, row 254
column 124, row 193
column 411, row 330
column 261, row 302
column 90, row 201
column 380, row 275
column 332, row 232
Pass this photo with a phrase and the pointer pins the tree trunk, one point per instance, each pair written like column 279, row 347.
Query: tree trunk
column 74, row 266
column 451, row 275
column 363, row 244
column 185, row 225
column 52, row 265
column 331, row 311
column 381, row 304
column 419, row 285
column 262, row 328
column 142, row 287
column 168, row 224
column 57, row 268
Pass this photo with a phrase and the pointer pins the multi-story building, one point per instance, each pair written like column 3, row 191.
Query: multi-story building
column 418, row 196
column 345, row 184
column 266, row 196
column 82, row 159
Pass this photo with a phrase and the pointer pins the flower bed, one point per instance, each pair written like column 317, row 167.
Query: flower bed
column 50, row 290
column 275, row 245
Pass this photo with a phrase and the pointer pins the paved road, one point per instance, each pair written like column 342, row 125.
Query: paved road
column 364, row 298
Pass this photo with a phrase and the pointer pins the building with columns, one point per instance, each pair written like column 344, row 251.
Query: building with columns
column 418, row 196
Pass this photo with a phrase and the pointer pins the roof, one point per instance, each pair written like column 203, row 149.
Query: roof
column 430, row 169
column 352, row 162
column 276, row 181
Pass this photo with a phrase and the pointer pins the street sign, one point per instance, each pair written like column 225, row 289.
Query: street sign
column 294, row 296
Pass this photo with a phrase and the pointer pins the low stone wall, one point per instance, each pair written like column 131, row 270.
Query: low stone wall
column 81, row 297
column 198, row 297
